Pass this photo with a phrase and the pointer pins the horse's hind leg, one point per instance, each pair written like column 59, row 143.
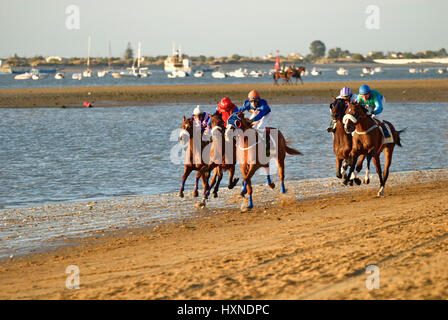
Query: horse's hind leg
column 281, row 173
column 388, row 151
column 377, row 163
column 339, row 168
column 187, row 171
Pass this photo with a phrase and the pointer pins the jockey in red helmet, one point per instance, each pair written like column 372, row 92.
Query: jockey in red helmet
column 225, row 109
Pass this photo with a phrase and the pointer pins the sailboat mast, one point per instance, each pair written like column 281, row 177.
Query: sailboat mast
column 110, row 54
column 139, row 54
column 88, row 54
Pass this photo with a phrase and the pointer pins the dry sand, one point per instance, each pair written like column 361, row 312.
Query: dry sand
column 434, row 90
column 316, row 249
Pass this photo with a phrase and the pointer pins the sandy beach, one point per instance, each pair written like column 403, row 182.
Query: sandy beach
column 311, row 92
column 313, row 249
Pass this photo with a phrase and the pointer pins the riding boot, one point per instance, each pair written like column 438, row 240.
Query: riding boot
column 332, row 126
column 386, row 132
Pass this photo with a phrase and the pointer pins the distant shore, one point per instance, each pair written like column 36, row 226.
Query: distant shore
column 429, row 90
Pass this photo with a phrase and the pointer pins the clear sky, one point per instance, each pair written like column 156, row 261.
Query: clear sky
column 224, row 27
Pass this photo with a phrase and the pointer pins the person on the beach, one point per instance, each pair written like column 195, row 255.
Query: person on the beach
column 200, row 119
column 261, row 112
column 374, row 102
column 347, row 95
column 225, row 109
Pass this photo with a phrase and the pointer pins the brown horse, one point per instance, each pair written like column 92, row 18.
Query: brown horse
column 285, row 75
column 192, row 163
column 297, row 73
column 251, row 151
column 368, row 141
column 342, row 141
column 220, row 158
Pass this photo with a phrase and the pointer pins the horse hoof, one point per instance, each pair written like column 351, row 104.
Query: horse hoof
column 200, row 204
column 195, row 193
column 181, row 194
column 351, row 183
column 243, row 194
column 357, row 181
column 271, row 185
column 339, row 176
column 345, row 182
column 366, row 181
column 345, row 176
column 215, row 195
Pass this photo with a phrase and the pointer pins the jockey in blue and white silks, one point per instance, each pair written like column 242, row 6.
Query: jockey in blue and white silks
column 261, row 112
column 374, row 102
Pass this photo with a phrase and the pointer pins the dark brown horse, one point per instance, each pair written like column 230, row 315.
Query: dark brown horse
column 297, row 73
column 220, row 159
column 368, row 141
column 251, row 151
column 342, row 141
column 192, row 160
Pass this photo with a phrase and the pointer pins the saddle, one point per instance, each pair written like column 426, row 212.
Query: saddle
column 383, row 125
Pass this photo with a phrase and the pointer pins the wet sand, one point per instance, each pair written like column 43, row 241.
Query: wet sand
column 309, row 249
column 433, row 90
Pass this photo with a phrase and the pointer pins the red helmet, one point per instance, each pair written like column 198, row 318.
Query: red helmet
column 226, row 104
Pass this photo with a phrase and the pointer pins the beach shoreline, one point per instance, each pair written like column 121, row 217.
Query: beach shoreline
column 429, row 90
column 314, row 248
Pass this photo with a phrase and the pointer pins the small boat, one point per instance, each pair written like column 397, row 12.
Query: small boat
column 35, row 77
column 412, row 70
column 315, row 72
column 77, row 76
column 342, row 72
column 59, row 76
column 218, row 75
column 23, row 76
column 116, row 75
column 378, row 69
column 198, row 74
column 177, row 74
column 239, row 73
column 101, row 74
column 441, row 71
column 256, row 73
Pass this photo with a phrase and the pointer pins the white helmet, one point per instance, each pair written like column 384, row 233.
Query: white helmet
column 197, row 111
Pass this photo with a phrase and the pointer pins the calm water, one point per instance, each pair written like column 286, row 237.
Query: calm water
column 54, row 155
column 159, row 77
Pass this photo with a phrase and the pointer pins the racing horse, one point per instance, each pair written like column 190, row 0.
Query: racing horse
column 191, row 162
column 342, row 142
column 220, row 158
column 297, row 73
column 251, row 147
column 368, row 141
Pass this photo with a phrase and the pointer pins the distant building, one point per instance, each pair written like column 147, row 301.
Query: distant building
column 296, row 55
column 268, row 56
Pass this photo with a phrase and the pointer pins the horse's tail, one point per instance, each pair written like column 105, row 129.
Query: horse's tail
column 293, row 151
column 398, row 142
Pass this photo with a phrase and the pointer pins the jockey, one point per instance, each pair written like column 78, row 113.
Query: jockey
column 347, row 95
column 200, row 119
column 261, row 112
column 373, row 101
column 225, row 109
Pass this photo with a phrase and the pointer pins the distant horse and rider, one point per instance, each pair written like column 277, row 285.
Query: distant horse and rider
column 288, row 73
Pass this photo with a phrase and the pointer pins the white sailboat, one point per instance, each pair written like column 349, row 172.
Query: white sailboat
column 315, row 72
column 176, row 62
column 101, row 74
column 88, row 73
column 342, row 72
column 218, row 75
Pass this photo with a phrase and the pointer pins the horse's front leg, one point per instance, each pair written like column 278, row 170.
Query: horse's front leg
column 218, row 172
column 352, row 163
column 358, row 169
column 377, row 163
column 187, row 171
column 232, row 181
column 339, row 168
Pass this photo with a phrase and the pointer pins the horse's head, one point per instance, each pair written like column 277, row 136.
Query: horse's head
column 353, row 115
column 186, row 131
column 338, row 108
column 217, row 125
